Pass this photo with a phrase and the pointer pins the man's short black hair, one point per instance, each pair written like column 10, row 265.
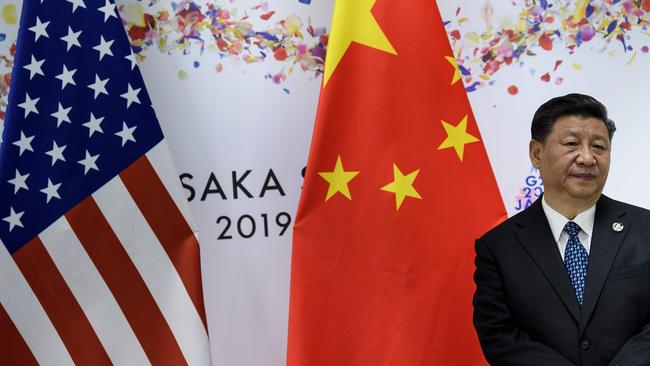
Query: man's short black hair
column 569, row 105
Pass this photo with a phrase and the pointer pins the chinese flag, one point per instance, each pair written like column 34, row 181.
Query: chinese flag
column 398, row 187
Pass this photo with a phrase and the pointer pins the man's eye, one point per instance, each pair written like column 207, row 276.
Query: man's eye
column 599, row 147
column 570, row 143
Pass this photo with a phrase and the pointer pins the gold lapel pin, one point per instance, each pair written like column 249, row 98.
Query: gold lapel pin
column 618, row 227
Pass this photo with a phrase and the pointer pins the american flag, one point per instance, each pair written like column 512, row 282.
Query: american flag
column 98, row 262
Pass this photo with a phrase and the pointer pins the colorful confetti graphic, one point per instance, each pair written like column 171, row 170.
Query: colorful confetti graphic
column 209, row 33
column 611, row 27
column 8, row 31
column 252, row 35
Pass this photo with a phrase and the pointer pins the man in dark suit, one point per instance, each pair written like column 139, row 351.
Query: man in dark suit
column 567, row 281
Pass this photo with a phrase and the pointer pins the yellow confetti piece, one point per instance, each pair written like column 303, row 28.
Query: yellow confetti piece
column 484, row 77
column 9, row 14
column 577, row 66
column 472, row 38
column 581, row 9
column 182, row 74
column 463, row 20
column 631, row 59
column 604, row 24
column 134, row 14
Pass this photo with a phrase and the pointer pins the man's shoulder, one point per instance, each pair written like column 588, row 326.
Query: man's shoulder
column 514, row 223
column 622, row 208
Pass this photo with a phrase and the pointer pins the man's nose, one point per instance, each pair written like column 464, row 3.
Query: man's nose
column 586, row 156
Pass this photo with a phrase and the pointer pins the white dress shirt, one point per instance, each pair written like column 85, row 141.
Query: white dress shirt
column 557, row 221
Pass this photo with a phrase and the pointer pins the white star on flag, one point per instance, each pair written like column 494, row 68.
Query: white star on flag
column 19, row 181
column 76, row 4
column 131, row 58
column 29, row 105
column 61, row 115
column 71, row 39
column 14, row 219
column 131, row 95
column 108, row 9
column 56, row 153
column 94, row 125
column 35, row 67
column 104, row 47
column 52, row 190
column 89, row 162
column 40, row 29
column 66, row 77
column 24, row 143
column 126, row 134
column 99, row 86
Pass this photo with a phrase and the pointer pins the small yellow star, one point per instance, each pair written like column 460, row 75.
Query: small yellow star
column 454, row 64
column 352, row 21
column 457, row 137
column 338, row 180
column 402, row 186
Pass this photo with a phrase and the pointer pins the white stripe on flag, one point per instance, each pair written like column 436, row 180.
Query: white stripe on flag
column 156, row 269
column 28, row 315
column 92, row 294
column 163, row 164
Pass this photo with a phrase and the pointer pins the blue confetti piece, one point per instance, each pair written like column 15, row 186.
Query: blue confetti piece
column 307, row 2
column 196, row 64
column 543, row 4
column 286, row 91
column 267, row 36
column 472, row 87
column 2, row 37
column 589, row 11
column 464, row 71
column 611, row 27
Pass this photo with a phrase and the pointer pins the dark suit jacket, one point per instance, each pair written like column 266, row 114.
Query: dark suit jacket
column 525, row 309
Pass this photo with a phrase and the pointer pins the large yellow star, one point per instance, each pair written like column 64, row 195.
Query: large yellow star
column 457, row 137
column 402, row 186
column 454, row 64
column 353, row 22
column 338, row 180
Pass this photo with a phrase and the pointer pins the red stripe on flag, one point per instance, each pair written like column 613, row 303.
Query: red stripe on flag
column 125, row 282
column 169, row 225
column 13, row 349
column 59, row 303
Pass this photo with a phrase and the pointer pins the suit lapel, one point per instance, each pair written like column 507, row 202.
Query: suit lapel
column 605, row 243
column 537, row 239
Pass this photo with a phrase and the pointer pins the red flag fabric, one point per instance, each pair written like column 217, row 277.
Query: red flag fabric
column 398, row 186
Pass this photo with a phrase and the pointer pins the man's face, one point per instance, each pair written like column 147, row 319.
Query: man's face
column 574, row 159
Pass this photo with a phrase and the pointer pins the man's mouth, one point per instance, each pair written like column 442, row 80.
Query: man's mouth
column 583, row 176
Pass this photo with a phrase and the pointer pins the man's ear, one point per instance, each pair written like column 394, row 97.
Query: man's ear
column 534, row 152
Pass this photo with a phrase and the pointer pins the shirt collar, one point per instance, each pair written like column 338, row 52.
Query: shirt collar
column 557, row 221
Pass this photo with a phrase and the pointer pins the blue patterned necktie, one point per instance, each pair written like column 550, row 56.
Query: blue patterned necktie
column 575, row 260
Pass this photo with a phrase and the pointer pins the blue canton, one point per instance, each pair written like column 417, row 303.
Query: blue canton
column 78, row 113
column 575, row 260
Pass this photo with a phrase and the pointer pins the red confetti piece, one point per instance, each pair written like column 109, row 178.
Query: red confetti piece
column 267, row 15
column 559, row 81
column 513, row 90
column 546, row 77
column 280, row 54
column 455, row 34
column 645, row 5
column 546, row 42
column 222, row 44
column 557, row 64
